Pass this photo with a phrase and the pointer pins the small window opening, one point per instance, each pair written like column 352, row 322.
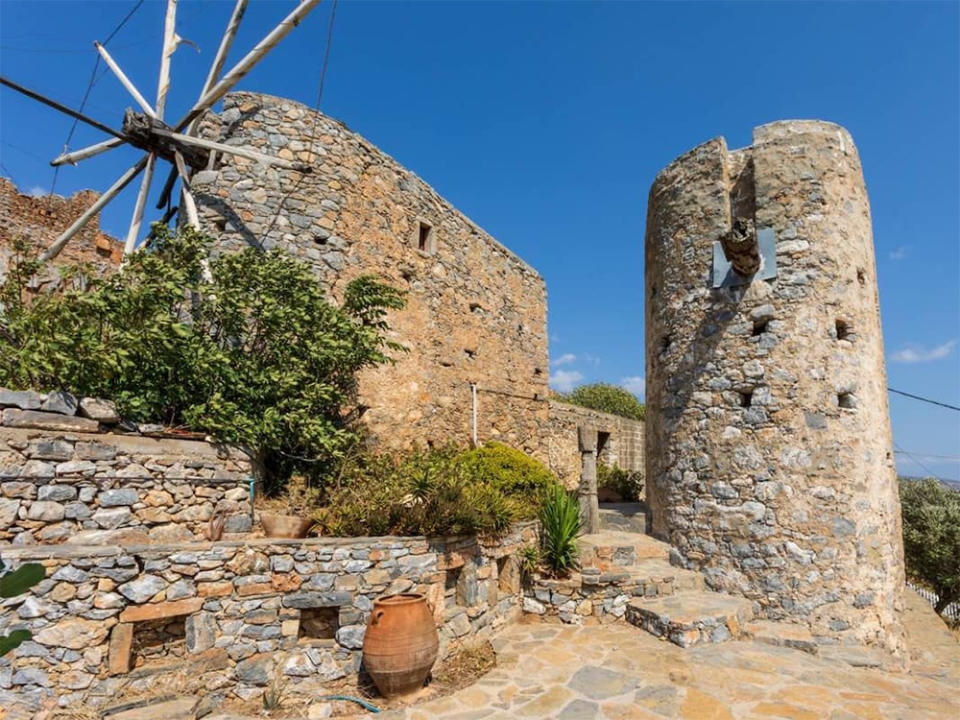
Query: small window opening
column 319, row 623
column 746, row 398
column 475, row 306
column 861, row 277
column 666, row 343
column 159, row 640
column 537, row 372
column 843, row 330
column 470, row 353
column 760, row 327
column 320, row 240
column 846, row 400
column 220, row 223
column 425, row 237
column 653, row 291
column 450, row 580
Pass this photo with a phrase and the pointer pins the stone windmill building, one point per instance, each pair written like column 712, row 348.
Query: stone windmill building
column 769, row 453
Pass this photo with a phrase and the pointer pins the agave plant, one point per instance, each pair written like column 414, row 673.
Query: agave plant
column 560, row 526
column 16, row 583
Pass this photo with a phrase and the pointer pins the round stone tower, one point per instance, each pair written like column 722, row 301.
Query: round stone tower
column 769, row 458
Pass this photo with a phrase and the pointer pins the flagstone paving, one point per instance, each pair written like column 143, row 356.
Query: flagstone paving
column 618, row 672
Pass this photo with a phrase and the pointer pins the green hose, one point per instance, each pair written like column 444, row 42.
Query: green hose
column 363, row 703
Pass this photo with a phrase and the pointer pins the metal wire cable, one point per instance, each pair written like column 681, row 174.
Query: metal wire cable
column 923, row 399
column 93, row 81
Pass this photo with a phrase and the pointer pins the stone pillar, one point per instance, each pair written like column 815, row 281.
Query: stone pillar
column 769, row 458
column 589, row 508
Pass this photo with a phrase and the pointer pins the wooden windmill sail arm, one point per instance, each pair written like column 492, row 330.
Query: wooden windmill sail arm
column 169, row 46
column 124, row 80
column 193, row 220
column 131, row 243
column 238, row 71
column 221, row 57
column 72, row 158
column 119, row 185
column 232, row 150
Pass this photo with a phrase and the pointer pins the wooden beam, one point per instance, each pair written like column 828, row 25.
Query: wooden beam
column 119, row 185
column 238, row 71
column 232, row 150
column 193, row 220
column 131, row 244
column 62, row 108
column 124, row 80
column 72, row 158
column 169, row 46
column 225, row 43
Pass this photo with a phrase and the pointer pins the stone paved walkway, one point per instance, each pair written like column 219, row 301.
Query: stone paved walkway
column 620, row 672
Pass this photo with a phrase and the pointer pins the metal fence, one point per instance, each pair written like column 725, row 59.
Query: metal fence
column 952, row 610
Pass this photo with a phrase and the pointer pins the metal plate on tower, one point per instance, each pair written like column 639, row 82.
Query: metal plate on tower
column 725, row 276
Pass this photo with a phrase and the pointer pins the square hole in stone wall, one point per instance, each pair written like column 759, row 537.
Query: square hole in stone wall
column 158, row 640
column 846, row 400
column 450, row 580
column 319, row 623
column 426, row 239
column 746, row 398
column 760, row 327
column 843, row 330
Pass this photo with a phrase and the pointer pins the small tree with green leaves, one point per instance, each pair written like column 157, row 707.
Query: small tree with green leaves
column 931, row 537
column 13, row 583
column 253, row 354
column 606, row 398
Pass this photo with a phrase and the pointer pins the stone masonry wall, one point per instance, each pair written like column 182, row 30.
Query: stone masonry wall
column 70, row 478
column 40, row 220
column 234, row 617
column 769, row 458
column 623, row 446
column 476, row 313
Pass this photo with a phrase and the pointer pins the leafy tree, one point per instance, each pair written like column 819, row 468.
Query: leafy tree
column 255, row 355
column 931, row 536
column 606, row 398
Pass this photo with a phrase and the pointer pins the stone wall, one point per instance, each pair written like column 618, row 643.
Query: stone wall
column 476, row 313
column 769, row 458
column 622, row 440
column 69, row 478
column 235, row 616
column 40, row 220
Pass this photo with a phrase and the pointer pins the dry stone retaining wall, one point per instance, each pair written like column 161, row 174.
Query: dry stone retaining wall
column 623, row 442
column 235, row 616
column 769, row 458
column 475, row 312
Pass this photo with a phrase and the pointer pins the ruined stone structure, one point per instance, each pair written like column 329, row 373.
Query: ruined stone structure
column 476, row 313
column 620, row 440
column 768, row 442
column 40, row 220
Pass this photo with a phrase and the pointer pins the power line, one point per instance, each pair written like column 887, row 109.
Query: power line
column 923, row 467
column 930, row 455
column 93, row 81
column 923, row 399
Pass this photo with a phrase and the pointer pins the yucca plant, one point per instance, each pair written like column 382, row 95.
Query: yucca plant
column 14, row 583
column 560, row 525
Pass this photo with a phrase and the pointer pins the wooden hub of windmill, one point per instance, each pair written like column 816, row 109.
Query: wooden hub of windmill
column 157, row 137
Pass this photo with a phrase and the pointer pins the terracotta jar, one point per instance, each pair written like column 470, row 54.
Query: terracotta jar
column 401, row 643
column 285, row 526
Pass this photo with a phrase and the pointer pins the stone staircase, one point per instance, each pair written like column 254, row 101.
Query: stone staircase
column 624, row 516
column 667, row 601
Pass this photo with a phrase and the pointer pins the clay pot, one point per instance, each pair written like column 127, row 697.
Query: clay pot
column 401, row 643
column 285, row 526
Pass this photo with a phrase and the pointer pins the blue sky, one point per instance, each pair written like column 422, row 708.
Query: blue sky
column 546, row 123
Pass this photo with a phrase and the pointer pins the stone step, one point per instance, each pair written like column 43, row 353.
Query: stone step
column 616, row 549
column 691, row 617
column 624, row 517
column 782, row 634
column 648, row 578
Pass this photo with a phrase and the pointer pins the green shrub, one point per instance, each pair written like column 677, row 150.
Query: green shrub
column 560, row 526
column 628, row 485
column 606, row 398
column 512, row 472
column 931, row 537
column 432, row 492
column 257, row 357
